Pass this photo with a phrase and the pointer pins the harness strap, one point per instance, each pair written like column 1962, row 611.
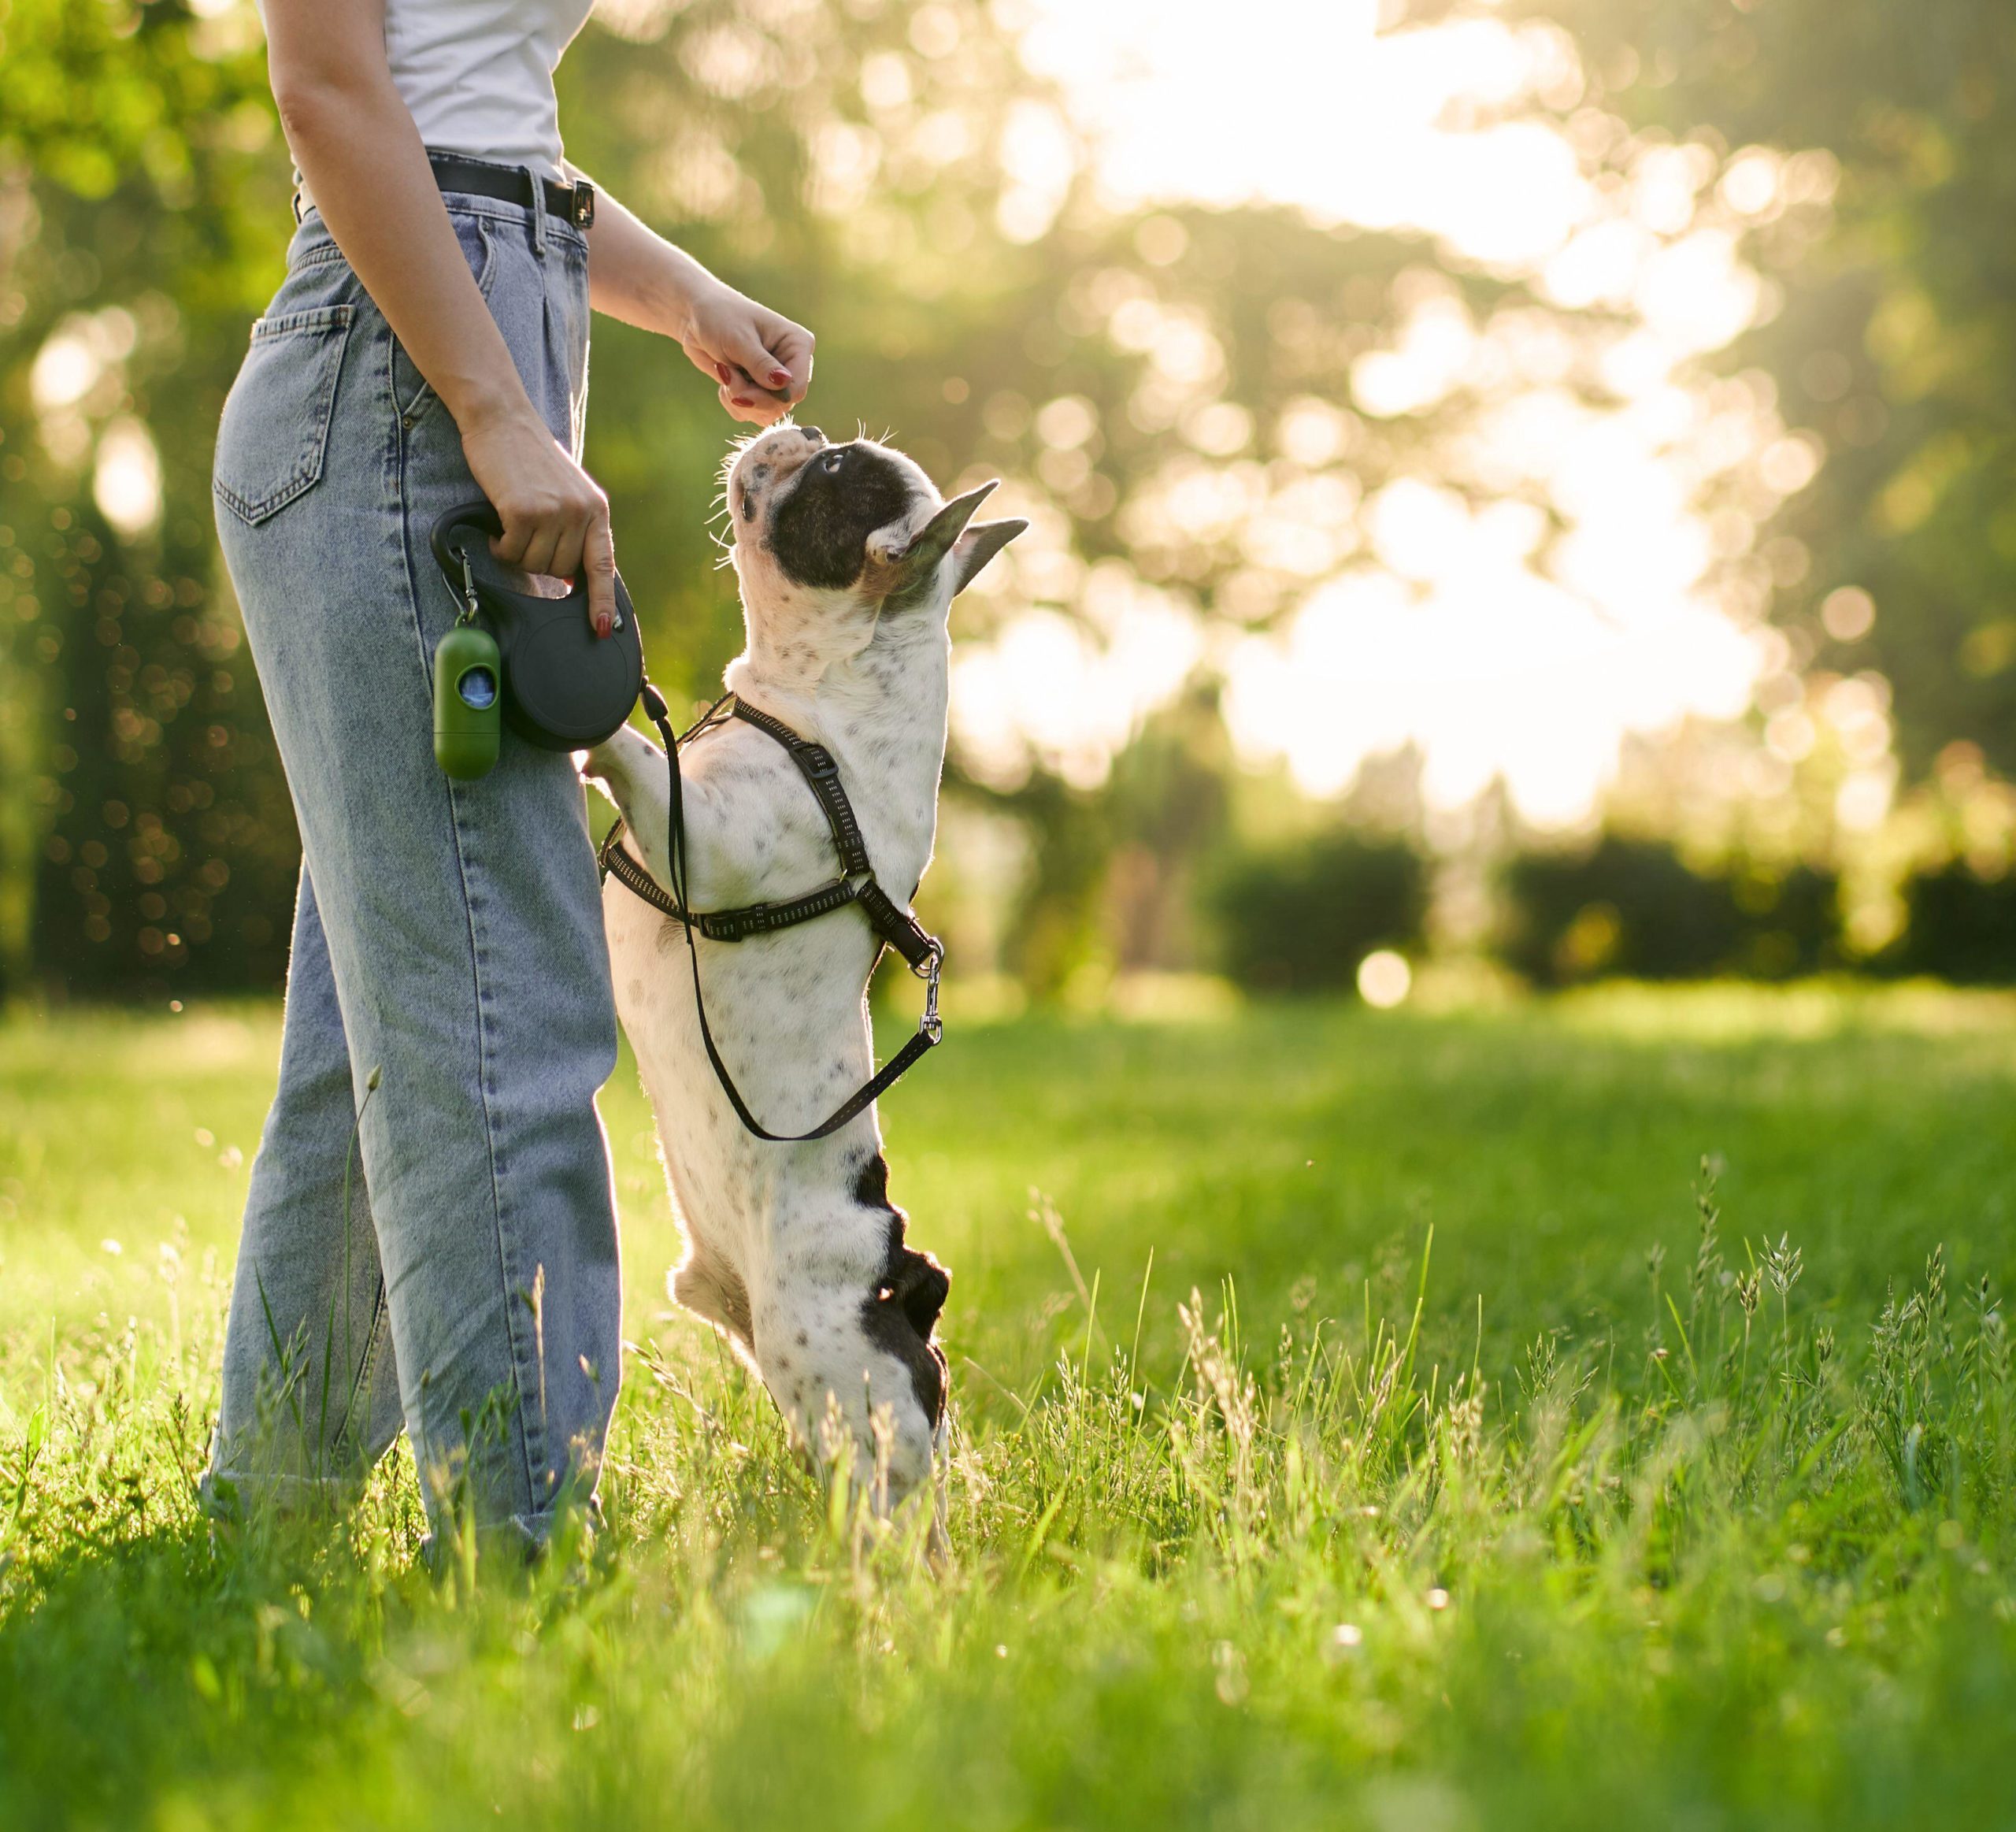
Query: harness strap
column 897, row 926
column 892, row 925
column 732, row 925
column 822, row 776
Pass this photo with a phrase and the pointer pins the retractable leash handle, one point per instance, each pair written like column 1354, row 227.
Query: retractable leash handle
column 553, row 681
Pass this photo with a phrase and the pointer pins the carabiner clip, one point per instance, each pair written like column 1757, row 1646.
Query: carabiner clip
column 469, row 588
column 931, row 1024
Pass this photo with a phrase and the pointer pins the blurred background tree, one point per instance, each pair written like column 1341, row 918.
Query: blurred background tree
column 1893, row 337
column 144, row 833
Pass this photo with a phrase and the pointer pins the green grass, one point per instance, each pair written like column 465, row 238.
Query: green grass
column 1622, row 1504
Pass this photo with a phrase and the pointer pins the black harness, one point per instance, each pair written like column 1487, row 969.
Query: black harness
column 895, row 927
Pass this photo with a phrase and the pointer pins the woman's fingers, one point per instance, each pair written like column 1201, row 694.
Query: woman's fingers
column 598, row 562
column 574, row 546
column 554, row 516
column 760, row 361
column 790, row 347
column 747, row 351
column 705, row 362
column 570, row 542
column 745, row 402
column 540, row 548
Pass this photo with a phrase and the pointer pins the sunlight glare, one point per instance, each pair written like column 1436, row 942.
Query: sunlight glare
column 1384, row 979
column 1496, row 660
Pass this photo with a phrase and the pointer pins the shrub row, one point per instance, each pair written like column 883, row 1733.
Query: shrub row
column 1635, row 909
column 1300, row 918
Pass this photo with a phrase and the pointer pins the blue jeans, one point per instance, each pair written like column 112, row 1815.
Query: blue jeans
column 447, row 943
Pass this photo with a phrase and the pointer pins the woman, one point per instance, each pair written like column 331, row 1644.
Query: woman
column 449, row 974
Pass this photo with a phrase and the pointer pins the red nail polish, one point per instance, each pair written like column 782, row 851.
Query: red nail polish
column 780, row 378
column 602, row 626
column 721, row 369
column 740, row 402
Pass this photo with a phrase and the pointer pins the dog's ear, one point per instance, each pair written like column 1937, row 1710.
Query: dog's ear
column 978, row 545
column 914, row 566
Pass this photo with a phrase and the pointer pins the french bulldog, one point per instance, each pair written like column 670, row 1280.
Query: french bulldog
column 848, row 560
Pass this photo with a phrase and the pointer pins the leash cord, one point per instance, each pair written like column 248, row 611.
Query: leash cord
column 929, row 1031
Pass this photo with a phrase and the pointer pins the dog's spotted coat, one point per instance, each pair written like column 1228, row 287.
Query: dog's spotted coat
column 848, row 565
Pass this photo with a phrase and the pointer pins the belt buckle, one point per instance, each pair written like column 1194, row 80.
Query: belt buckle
column 581, row 204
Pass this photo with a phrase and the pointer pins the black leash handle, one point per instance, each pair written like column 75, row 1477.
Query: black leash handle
column 930, row 1030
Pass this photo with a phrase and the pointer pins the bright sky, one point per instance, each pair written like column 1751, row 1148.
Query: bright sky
column 1446, row 628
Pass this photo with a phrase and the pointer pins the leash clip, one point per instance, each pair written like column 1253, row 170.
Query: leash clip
column 469, row 588
column 931, row 1024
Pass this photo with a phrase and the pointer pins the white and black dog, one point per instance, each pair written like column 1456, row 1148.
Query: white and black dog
column 848, row 560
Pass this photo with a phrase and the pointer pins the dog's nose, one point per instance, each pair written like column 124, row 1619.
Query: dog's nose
column 813, row 434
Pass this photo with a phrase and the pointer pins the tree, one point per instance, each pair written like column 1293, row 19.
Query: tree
column 1895, row 338
column 145, row 835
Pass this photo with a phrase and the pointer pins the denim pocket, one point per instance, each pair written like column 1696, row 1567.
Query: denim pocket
column 275, row 426
column 412, row 398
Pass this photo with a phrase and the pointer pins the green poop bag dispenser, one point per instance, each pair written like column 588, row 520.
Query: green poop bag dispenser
column 467, row 701
column 468, row 692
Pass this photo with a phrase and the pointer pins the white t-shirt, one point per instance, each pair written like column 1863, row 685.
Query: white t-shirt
column 477, row 74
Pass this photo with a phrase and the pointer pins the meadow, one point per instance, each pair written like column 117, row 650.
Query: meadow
column 1587, row 1413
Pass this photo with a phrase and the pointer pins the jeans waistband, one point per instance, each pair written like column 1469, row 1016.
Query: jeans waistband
column 542, row 219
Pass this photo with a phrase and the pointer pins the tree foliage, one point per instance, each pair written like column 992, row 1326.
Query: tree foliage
column 147, row 837
column 1896, row 337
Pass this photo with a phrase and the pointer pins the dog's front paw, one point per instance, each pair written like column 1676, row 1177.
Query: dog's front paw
column 622, row 766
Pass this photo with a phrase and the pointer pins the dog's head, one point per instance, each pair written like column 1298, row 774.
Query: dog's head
column 830, row 540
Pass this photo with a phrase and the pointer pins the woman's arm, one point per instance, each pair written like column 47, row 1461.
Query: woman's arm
column 356, row 146
column 760, row 359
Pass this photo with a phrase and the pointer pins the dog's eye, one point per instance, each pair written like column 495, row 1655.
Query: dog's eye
column 831, row 461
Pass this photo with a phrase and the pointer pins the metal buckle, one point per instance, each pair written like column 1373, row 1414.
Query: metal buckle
column 930, row 1024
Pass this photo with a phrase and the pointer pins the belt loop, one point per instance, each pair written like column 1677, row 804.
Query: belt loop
column 538, row 183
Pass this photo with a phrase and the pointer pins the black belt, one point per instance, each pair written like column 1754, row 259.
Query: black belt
column 571, row 203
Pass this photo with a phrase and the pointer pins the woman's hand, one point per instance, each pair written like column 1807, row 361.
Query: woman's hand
column 555, row 516
column 761, row 360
